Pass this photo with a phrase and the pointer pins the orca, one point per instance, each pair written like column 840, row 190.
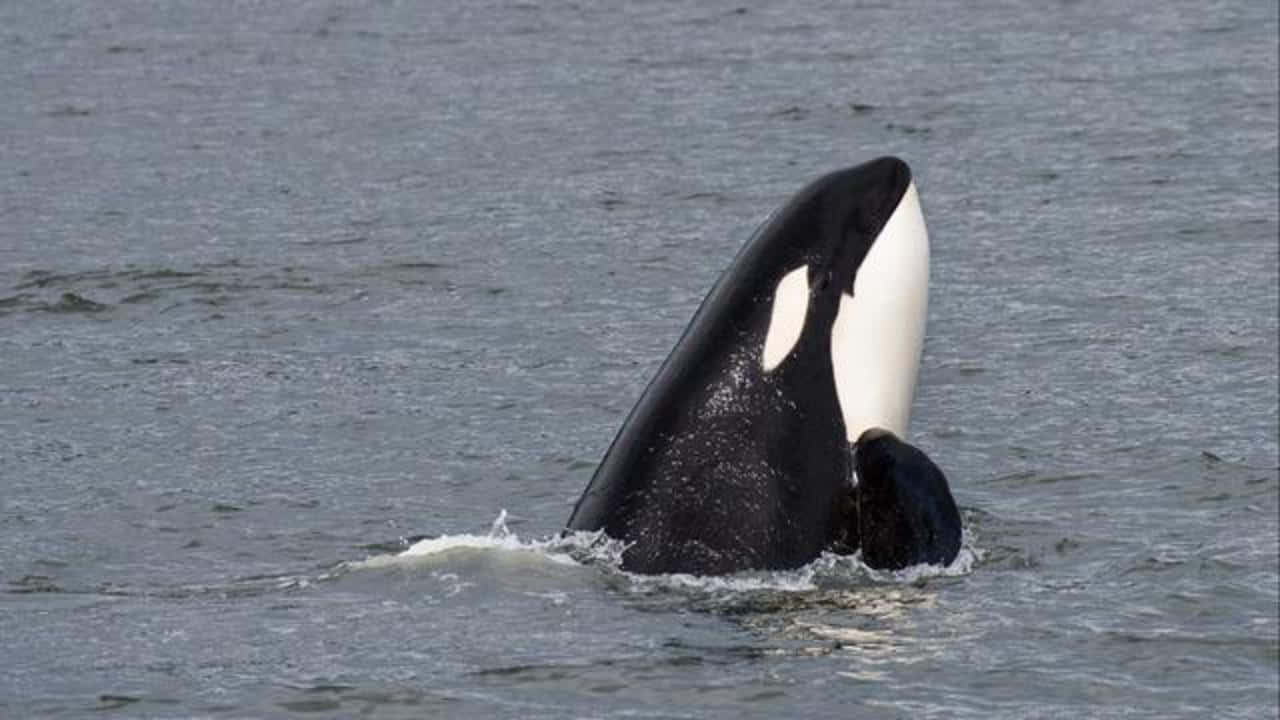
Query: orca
column 774, row 430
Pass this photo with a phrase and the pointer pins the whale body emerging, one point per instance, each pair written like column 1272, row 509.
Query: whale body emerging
column 776, row 428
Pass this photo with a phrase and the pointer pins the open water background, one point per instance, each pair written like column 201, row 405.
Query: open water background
column 285, row 285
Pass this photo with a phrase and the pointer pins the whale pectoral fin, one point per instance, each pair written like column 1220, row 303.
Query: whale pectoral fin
column 903, row 505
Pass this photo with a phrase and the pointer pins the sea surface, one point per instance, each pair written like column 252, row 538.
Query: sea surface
column 316, row 317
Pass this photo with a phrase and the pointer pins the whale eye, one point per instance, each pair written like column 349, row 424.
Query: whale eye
column 790, row 305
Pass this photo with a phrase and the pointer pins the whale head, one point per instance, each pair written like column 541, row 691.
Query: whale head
column 847, row 264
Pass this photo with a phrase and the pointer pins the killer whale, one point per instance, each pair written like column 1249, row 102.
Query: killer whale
column 773, row 431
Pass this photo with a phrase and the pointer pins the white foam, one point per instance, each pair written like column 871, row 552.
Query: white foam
column 572, row 549
column 962, row 565
column 826, row 570
column 594, row 548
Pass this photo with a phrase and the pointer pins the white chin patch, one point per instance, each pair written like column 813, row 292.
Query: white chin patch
column 879, row 330
column 790, row 305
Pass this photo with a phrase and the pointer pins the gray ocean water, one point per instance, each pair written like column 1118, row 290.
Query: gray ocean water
column 286, row 287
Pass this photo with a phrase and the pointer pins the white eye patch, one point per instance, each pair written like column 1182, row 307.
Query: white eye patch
column 790, row 306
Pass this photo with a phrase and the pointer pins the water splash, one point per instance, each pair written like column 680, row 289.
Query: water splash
column 499, row 527
column 594, row 549
column 570, row 549
column 828, row 571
